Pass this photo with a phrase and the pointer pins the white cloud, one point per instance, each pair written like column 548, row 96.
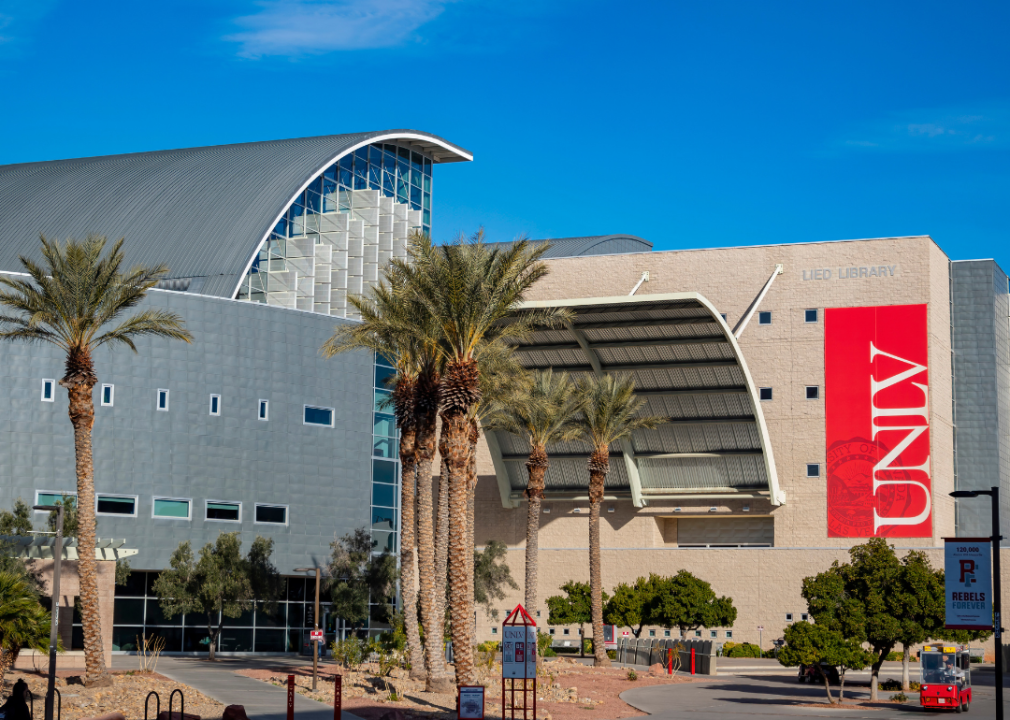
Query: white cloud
column 298, row 27
column 935, row 130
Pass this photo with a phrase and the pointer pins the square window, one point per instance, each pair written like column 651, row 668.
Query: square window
column 765, row 393
column 163, row 400
column 494, row 631
column 713, row 633
column 264, row 411
column 318, row 416
column 789, row 617
column 723, row 316
column 551, row 631
column 729, row 634
column 173, row 508
column 810, row 316
column 223, row 511
column 666, row 633
column 538, row 613
column 215, row 404
column 108, row 395
column 697, row 633
column 48, row 390
column 804, row 617
column 652, row 633
column 272, row 514
column 813, row 392
column 765, row 317
column 813, row 470
column 116, row 505
column 565, row 631
column 51, row 497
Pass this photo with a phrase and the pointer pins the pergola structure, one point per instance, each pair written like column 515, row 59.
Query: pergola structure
column 687, row 364
column 40, row 547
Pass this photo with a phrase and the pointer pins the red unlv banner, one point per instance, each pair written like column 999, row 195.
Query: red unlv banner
column 877, row 406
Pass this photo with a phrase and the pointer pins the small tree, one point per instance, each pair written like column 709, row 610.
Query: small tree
column 23, row 621
column 808, row 644
column 689, row 603
column 69, row 504
column 575, row 607
column 220, row 584
column 854, row 600
column 357, row 575
column 631, row 605
column 490, row 575
column 18, row 523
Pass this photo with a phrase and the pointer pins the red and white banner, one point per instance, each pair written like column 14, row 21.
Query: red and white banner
column 876, row 391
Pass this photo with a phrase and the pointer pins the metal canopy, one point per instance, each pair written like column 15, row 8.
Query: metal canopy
column 688, row 366
column 40, row 547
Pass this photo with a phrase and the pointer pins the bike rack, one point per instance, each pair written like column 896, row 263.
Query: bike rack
column 147, row 701
column 182, row 704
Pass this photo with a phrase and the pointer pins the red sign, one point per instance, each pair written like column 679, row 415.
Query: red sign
column 316, row 635
column 876, row 384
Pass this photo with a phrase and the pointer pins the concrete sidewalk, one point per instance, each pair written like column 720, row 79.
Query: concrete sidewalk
column 262, row 701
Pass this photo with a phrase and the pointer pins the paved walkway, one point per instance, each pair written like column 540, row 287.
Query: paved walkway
column 262, row 701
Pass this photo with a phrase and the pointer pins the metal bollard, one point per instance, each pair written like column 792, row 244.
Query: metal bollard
column 291, row 697
column 338, row 697
column 692, row 661
column 669, row 661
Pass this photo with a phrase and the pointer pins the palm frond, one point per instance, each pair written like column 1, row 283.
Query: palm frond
column 610, row 409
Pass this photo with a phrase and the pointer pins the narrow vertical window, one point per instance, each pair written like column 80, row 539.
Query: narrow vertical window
column 163, row 400
column 48, row 391
column 264, row 410
column 215, row 404
column 108, row 395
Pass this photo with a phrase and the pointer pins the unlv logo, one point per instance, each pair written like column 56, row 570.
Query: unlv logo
column 877, row 412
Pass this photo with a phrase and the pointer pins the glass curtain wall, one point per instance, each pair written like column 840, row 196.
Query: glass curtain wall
column 337, row 234
column 385, row 476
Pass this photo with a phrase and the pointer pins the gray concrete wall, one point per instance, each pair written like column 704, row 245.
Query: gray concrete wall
column 244, row 352
column 980, row 337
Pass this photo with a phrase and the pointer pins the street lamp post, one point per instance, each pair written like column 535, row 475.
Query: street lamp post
column 997, row 595
column 315, row 620
column 54, row 621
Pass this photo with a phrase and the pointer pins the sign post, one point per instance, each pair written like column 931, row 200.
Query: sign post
column 291, row 697
column 338, row 697
column 519, row 662
column 761, row 637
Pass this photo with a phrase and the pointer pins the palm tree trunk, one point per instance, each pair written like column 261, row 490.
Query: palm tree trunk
column 79, row 381
column 537, row 468
column 455, row 440
column 471, row 484
column 408, row 570
column 442, row 538
column 431, row 617
column 598, row 461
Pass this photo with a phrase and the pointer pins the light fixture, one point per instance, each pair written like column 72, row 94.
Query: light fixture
column 546, row 511
column 746, row 508
column 577, row 510
column 610, row 509
column 676, row 509
column 713, row 509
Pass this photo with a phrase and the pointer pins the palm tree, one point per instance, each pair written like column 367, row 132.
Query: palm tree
column 545, row 414
column 468, row 289
column 69, row 302
column 609, row 408
column 394, row 324
column 23, row 622
column 379, row 333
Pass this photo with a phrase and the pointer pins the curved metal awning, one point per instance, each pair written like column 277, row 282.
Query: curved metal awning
column 689, row 367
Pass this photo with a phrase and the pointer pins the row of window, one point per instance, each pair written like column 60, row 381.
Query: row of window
column 813, row 392
column 172, row 508
column 312, row 414
column 765, row 316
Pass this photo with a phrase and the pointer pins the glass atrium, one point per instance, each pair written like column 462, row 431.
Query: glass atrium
column 338, row 233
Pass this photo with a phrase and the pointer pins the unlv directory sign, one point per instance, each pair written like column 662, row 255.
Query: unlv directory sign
column 876, row 386
column 968, row 583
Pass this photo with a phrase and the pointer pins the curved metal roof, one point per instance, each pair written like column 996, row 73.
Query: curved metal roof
column 687, row 364
column 201, row 211
column 594, row 245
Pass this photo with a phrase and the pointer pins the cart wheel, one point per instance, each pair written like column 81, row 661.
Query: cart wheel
column 964, row 703
column 957, row 708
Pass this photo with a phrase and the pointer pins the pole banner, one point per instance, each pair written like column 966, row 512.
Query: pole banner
column 967, row 564
column 876, row 394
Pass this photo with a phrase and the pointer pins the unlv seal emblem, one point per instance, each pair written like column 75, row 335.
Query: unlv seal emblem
column 877, row 412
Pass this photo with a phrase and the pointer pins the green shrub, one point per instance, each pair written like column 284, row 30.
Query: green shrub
column 977, row 658
column 899, row 697
column 349, row 652
column 632, row 675
column 612, row 654
column 490, row 646
column 544, row 641
column 549, row 652
column 741, row 650
column 894, row 656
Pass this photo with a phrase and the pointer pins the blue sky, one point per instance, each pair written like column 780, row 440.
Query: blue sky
column 690, row 124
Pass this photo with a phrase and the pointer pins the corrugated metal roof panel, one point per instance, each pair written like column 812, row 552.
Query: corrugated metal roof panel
column 201, row 211
column 593, row 245
column 702, row 473
column 699, row 406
